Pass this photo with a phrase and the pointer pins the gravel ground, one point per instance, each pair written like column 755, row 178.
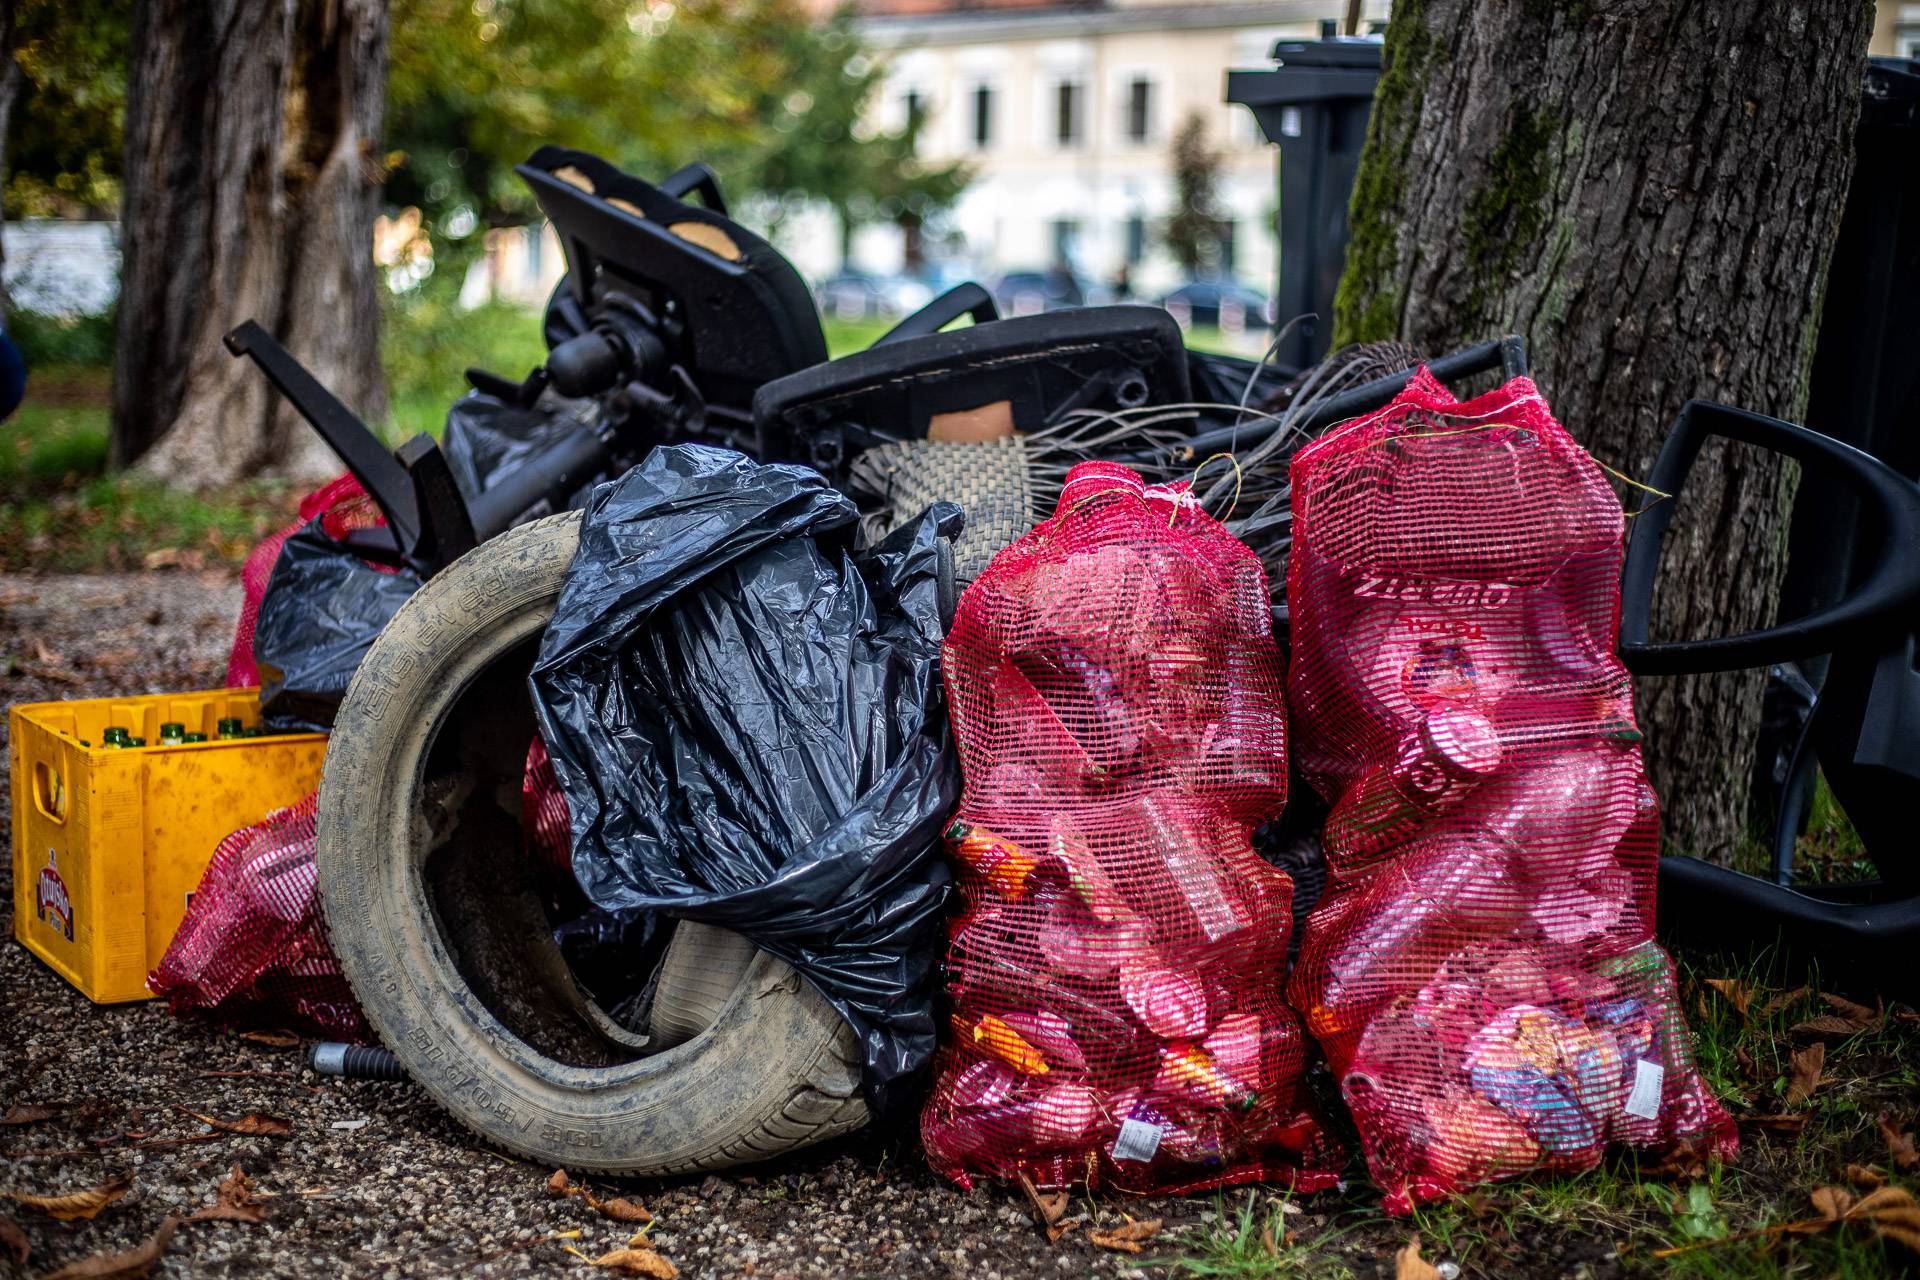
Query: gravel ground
column 401, row 1191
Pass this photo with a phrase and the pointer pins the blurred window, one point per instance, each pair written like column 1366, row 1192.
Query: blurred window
column 1066, row 114
column 983, row 116
column 1136, row 239
column 1066, row 239
column 1139, row 109
column 1228, row 230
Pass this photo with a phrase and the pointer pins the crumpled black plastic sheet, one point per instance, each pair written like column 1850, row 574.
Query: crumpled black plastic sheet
column 487, row 437
column 748, row 722
column 322, row 610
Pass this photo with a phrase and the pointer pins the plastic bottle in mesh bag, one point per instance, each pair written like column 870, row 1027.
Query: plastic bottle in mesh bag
column 253, row 947
column 1116, row 973
column 1481, row 972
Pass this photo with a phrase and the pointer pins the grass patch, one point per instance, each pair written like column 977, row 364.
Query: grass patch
column 60, row 512
column 1617, row 1219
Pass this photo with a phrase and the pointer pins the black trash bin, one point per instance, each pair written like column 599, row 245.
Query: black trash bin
column 1865, row 390
column 1313, row 105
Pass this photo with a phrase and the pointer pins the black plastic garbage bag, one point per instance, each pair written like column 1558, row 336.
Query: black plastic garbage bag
column 748, row 723
column 487, row 437
column 322, row 609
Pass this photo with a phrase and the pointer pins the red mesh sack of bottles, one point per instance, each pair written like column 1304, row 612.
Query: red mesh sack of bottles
column 1116, row 973
column 253, row 947
column 1481, row 972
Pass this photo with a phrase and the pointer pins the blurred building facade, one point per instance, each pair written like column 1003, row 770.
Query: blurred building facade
column 1066, row 114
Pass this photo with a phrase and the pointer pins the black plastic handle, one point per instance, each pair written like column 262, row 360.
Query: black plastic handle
column 1885, row 601
column 962, row 300
column 696, row 177
column 366, row 456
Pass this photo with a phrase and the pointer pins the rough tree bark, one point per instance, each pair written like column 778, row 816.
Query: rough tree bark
column 251, row 185
column 9, row 91
column 1648, row 191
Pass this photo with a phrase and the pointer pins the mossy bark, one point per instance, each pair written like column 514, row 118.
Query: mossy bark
column 1648, row 191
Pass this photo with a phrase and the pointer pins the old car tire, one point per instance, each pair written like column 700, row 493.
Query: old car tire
column 446, row 945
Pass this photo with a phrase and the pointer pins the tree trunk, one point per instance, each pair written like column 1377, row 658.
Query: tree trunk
column 1648, row 191
column 250, row 190
column 9, row 92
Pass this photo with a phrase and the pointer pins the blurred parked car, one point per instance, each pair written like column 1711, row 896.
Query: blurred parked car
column 1023, row 293
column 1222, row 304
column 862, row 295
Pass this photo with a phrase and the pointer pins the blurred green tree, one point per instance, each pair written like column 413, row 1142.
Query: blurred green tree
column 809, row 131
column 770, row 96
column 62, row 135
column 1193, row 229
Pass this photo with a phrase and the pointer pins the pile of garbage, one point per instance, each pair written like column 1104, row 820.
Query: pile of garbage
column 750, row 719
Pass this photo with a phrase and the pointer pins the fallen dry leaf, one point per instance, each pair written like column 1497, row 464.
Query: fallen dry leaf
column 1803, row 1072
column 77, row 1204
column 1851, row 1011
column 619, row 1208
column 1684, row 1163
column 1127, row 1237
column 1900, row 1146
column 1889, row 1212
column 254, row 1124
column 134, row 1264
column 1865, row 1176
column 1782, row 1000
column 32, row 1112
column 1737, row 993
column 1049, row 1210
column 1745, row 1059
column 233, row 1202
column 1409, row 1265
column 1829, row 1024
column 1788, row 1123
column 273, row 1039
column 638, row 1262
column 13, row 1241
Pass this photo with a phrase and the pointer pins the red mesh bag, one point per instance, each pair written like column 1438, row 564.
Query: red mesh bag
column 544, row 824
column 346, row 507
column 1116, row 973
column 253, row 947
column 1481, row 972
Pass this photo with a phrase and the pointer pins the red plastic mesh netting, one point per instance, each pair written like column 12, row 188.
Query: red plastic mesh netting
column 253, row 946
column 346, row 507
column 1116, row 973
column 1481, row 972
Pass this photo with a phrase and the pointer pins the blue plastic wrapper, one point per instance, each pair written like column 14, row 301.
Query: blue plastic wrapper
column 747, row 720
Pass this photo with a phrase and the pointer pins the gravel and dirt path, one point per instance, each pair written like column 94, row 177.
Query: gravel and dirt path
column 397, row 1189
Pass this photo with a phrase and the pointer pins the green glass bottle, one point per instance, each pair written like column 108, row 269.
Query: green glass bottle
column 196, row 737
column 115, row 736
column 229, row 727
column 172, row 733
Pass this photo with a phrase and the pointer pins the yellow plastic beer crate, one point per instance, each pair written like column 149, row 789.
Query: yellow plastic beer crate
column 109, row 844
